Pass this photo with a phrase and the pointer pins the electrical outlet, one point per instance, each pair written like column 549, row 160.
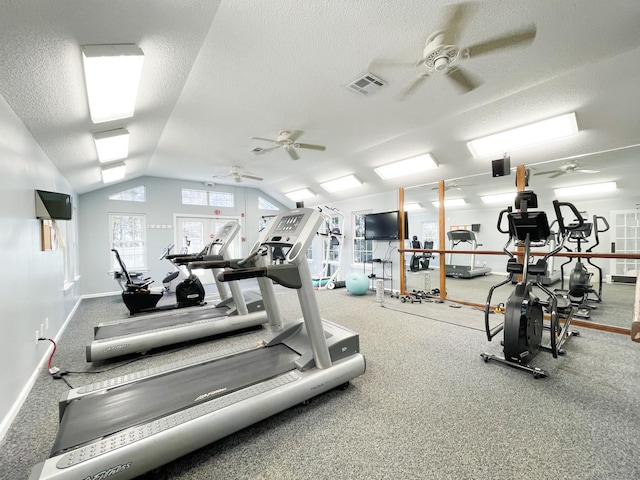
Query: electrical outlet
column 46, row 323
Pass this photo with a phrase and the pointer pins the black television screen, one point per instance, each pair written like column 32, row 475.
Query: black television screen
column 384, row 226
column 52, row 205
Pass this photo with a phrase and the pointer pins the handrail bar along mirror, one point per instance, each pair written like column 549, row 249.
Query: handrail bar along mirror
column 616, row 310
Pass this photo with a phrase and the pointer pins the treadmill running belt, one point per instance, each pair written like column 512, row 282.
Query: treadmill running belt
column 97, row 415
column 145, row 324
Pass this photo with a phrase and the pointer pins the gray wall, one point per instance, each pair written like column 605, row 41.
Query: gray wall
column 164, row 200
column 34, row 280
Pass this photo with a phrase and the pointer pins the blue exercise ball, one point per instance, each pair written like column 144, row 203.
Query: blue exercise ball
column 357, row 283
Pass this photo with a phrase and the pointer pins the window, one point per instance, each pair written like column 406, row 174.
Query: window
column 128, row 236
column 194, row 197
column 221, row 199
column 362, row 249
column 430, row 233
column 204, row 198
column 264, row 204
column 136, row 194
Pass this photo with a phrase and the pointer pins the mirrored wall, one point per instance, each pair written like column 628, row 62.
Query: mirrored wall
column 473, row 204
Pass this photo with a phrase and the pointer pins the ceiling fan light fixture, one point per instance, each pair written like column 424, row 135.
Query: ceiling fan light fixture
column 586, row 189
column 451, row 202
column 112, row 75
column 112, row 145
column 500, row 198
column 343, row 183
column 301, row 194
column 408, row 166
column 113, row 172
column 536, row 133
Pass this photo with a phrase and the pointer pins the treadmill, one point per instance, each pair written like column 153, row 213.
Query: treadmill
column 241, row 311
column 135, row 423
column 463, row 271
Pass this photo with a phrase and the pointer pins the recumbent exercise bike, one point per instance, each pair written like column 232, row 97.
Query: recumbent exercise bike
column 524, row 312
column 420, row 261
column 139, row 298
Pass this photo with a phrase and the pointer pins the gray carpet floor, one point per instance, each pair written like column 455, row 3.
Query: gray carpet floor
column 427, row 407
column 615, row 309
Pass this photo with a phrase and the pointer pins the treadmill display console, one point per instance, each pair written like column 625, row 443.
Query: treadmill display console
column 288, row 224
column 225, row 230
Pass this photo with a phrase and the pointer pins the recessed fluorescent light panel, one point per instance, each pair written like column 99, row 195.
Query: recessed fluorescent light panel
column 532, row 134
column 114, row 172
column 504, row 198
column 586, row 189
column 408, row 166
column 453, row 202
column 344, row 183
column 112, row 145
column 300, row 194
column 112, row 74
column 409, row 207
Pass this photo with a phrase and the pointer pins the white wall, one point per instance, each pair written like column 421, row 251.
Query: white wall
column 164, row 200
column 34, row 280
column 382, row 202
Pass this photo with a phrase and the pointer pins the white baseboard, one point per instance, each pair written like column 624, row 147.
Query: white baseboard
column 24, row 393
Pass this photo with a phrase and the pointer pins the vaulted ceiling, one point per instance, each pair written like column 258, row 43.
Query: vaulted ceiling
column 217, row 73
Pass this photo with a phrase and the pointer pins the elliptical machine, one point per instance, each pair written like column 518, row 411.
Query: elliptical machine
column 524, row 311
column 580, row 286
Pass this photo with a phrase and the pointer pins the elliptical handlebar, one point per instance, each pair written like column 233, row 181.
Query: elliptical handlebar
column 506, row 210
column 562, row 228
column 595, row 224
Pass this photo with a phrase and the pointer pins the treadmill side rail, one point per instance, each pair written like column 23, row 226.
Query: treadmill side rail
column 158, row 442
column 139, row 342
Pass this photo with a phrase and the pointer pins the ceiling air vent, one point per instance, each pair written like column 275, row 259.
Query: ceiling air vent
column 366, row 84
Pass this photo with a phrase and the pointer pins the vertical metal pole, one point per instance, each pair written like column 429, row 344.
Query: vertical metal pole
column 238, row 298
column 311, row 315
column 443, row 268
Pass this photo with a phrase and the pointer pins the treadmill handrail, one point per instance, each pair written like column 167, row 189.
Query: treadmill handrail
column 286, row 275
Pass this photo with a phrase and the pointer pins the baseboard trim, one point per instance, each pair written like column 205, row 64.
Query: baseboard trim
column 24, row 393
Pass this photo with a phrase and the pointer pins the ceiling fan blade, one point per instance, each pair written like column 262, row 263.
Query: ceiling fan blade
column 584, row 170
column 456, row 17
column 414, row 86
column 547, row 172
column 514, row 39
column 557, row 174
column 264, row 139
column 463, row 80
column 252, row 177
column 266, row 150
column 292, row 153
column 294, row 134
column 310, row 146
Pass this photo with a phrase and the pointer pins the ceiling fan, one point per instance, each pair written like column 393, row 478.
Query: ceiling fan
column 568, row 167
column 443, row 54
column 237, row 173
column 455, row 185
column 286, row 140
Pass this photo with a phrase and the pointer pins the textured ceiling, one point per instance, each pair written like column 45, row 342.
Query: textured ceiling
column 218, row 73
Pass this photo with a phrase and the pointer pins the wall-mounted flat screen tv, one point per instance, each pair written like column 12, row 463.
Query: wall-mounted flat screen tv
column 52, row 205
column 384, row 226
